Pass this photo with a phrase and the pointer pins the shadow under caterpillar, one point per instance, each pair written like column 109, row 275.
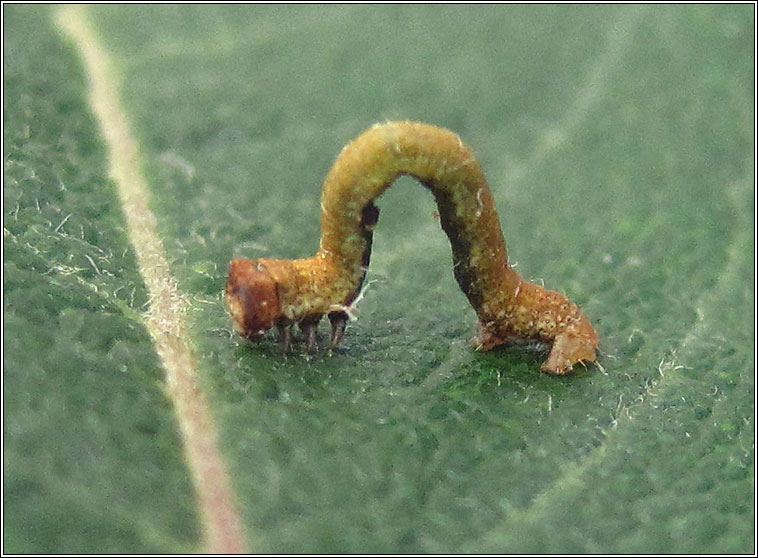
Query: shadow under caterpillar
column 269, row 292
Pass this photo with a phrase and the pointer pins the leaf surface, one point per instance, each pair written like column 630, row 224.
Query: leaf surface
column 618, row 144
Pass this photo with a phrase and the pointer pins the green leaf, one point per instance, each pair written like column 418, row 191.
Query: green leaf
column 618, row 142
column 92, row 462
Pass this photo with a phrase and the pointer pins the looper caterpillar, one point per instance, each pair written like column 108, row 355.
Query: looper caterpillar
column 273, row 292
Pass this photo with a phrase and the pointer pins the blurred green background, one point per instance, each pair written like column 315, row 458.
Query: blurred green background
column 618, row 142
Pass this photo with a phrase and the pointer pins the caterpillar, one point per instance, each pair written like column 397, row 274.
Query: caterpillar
column 270, row 292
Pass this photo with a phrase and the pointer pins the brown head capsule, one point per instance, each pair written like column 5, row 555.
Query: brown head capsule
column 251, row 298
column 281, row 292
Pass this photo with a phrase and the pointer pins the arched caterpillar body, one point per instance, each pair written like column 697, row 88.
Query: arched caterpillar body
column 273, row 292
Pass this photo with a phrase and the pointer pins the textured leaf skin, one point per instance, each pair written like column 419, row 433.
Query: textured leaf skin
column 92, row 462
column 618, row 144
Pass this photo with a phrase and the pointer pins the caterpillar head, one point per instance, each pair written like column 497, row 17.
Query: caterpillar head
column 251, row 298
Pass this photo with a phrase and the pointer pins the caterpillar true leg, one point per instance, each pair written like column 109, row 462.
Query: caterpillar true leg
column 308, row 327
column 339, row 323
column 270, row 292
column 285, row 335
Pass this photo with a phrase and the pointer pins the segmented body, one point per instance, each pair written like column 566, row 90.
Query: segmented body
column 303, row 290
